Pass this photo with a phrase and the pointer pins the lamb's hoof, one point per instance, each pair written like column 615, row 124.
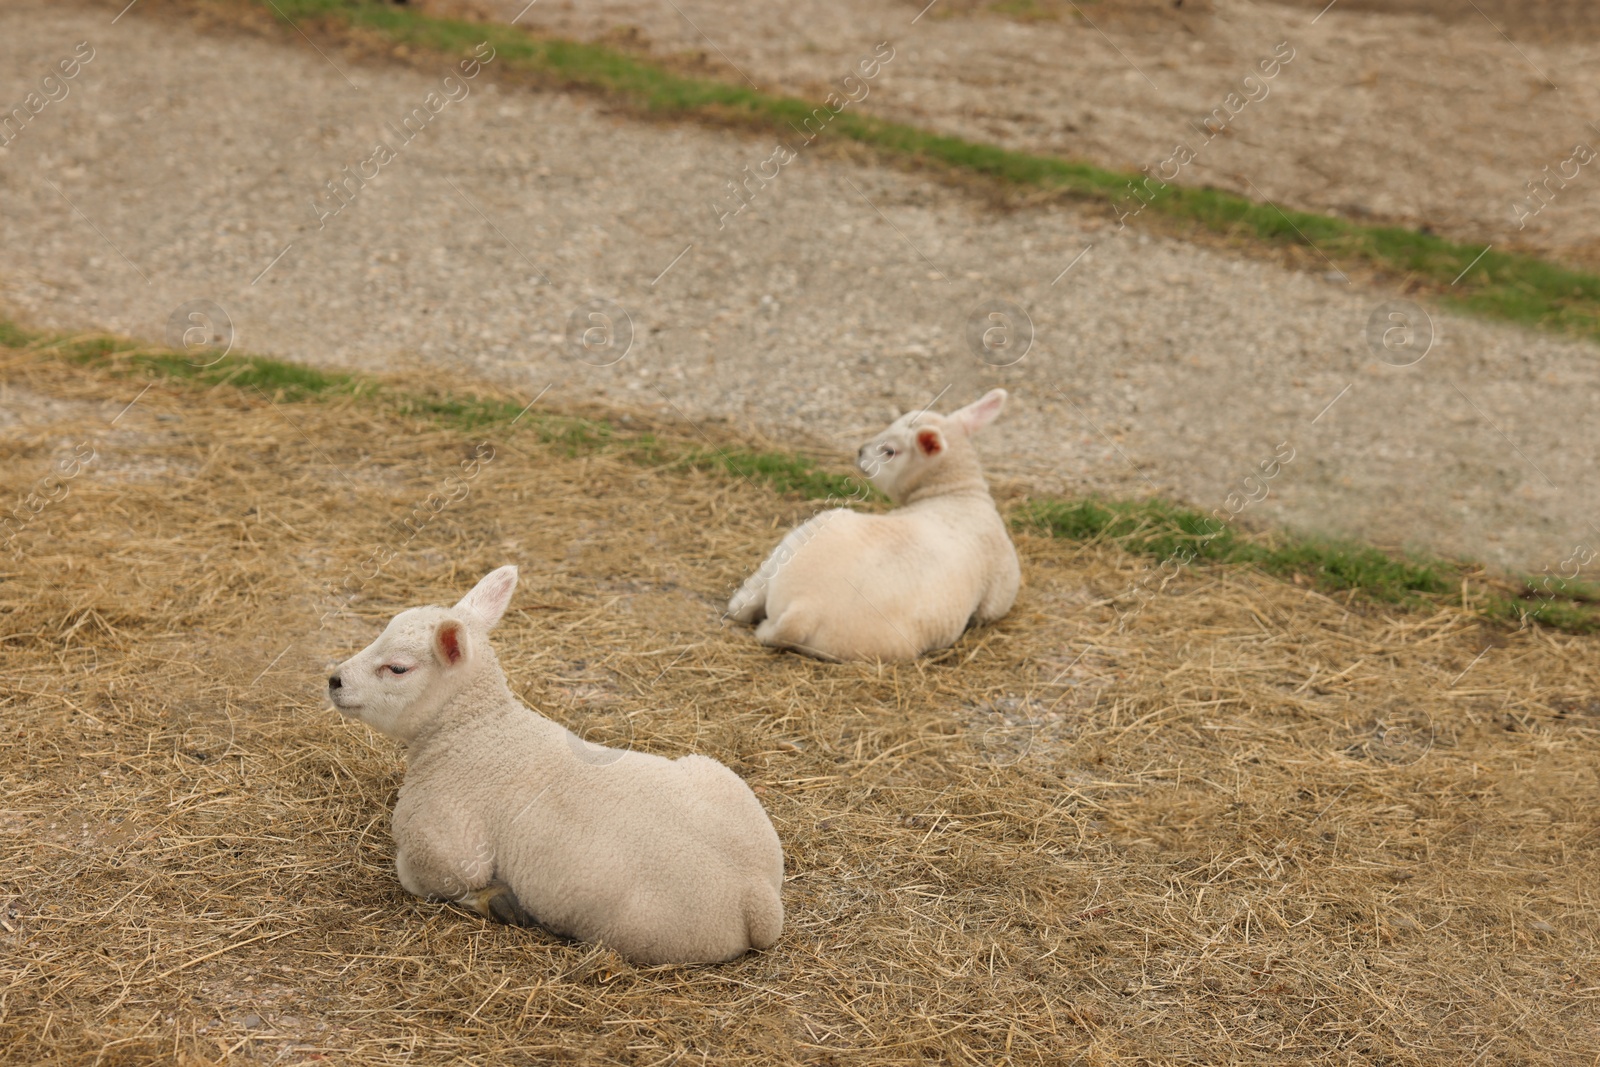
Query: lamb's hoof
column 496, row 901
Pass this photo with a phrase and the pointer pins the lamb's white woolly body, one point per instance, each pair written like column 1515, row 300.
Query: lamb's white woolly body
column 845, row 585
column 667, row 861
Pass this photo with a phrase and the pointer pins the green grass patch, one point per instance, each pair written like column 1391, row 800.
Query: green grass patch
column 1339, row 565
column 1165, row 530
column 785, row 472
column 1501, row 285
column 1148, row 527
column 1026, row 10
column 278, row 379
column 1564, row 615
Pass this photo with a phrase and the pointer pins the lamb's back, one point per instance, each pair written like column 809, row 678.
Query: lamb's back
column 649, row 855
column 922, row 565
column 479, row 766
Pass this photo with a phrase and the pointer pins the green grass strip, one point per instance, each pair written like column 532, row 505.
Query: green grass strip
column 282, row 381
column 279, row 379
column 1167, row 531
column 1509, row 286
column 1155, row 528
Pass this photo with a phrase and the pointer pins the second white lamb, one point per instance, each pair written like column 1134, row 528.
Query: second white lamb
column 851, row 586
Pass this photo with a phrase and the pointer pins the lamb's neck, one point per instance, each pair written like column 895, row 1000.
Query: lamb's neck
column 967, row 484
column 486, row 694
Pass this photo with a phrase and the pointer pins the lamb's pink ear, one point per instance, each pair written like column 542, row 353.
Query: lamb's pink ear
column 450, row 642
column 491, row 596
column 930, row 441
column 980, row 413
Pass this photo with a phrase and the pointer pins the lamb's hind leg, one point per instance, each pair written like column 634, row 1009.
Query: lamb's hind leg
column 749, row 604
column 464, row 877
column 795, row 631
column 497, row 902
column 998, row 598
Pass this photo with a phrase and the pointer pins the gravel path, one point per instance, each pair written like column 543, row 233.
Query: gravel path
column 183, row 167
column 1408, row 118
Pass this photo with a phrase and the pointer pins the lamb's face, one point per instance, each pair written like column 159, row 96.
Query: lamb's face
column 918, row 444
column 901, row 456
column 423, row 658
column 398, row 681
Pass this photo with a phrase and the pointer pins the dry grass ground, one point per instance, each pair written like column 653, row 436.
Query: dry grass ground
column 1245, row 824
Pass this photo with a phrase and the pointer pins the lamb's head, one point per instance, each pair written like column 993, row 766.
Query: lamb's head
column 424, row 657
column 923, row 449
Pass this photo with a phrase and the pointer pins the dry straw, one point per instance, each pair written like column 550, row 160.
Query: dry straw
column 1252, row 824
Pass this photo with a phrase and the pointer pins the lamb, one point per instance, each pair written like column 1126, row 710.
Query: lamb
column 511, row 814
column 849, row 586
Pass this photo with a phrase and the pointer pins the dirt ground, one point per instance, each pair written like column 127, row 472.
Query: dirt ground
column 1243, row 823
column 1429, row 113
column 842, row 296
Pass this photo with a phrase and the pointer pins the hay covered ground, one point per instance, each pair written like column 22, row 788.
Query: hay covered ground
column 1233, row 820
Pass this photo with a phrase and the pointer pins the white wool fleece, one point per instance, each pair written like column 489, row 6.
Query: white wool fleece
column 666, row 861
column 850, row 586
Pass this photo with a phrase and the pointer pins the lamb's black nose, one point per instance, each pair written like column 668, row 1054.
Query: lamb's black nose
column 334, row 683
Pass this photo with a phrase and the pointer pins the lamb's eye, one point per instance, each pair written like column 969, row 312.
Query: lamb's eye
column 888, row 453
column 398, row 669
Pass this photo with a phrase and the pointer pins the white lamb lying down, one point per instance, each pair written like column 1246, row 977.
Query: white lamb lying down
column 666, row 861
column 845, row 585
